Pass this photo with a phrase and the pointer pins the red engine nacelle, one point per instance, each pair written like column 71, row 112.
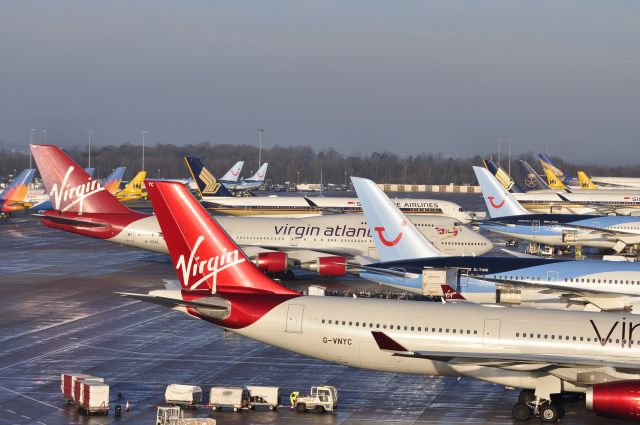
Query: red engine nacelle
column 620, row 399
column 331, row 266
column 272, row 262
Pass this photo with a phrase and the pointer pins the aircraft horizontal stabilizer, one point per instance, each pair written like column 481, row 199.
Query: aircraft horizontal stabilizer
column 74, row 221
column 213, row 307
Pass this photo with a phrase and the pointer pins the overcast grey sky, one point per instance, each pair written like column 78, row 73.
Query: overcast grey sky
column 360, row 76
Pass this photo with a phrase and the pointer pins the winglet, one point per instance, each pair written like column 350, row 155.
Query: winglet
column 386, row 343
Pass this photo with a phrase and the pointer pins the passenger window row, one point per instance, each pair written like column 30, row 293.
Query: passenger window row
column 399, row 327
column 552, row 337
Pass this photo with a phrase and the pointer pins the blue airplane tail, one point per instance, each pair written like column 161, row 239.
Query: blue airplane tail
column 532, row 180
column 503, row 177
column 207, row 183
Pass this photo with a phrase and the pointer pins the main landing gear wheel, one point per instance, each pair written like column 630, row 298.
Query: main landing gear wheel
column 549, row 413
column 521, row 412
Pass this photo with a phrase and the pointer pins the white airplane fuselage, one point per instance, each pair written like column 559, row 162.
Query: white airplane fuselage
column 297, row 206
column 342, row 234
column 339, row 330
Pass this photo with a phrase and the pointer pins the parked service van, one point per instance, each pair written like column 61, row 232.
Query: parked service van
column 183, row 395
column 235, row 398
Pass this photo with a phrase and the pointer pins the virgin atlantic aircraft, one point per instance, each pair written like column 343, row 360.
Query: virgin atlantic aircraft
column 323, row 244
column 544, row 352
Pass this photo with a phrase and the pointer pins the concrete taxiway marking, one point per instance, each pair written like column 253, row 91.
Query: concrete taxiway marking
column 65, row 322
column 102, row 335
column 29, row 398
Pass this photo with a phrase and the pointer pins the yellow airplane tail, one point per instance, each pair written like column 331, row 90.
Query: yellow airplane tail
column 585, row 181
column 553, row 180
column 135, row 189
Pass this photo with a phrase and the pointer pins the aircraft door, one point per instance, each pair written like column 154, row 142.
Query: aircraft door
column 553, row 276
column 294, row 318
column 491, row 332
column 293, row 241
column 535, row 226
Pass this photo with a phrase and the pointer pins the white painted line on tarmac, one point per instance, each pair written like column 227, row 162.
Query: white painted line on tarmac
column 65, row 322
column 29, row 398
column 26, row 417
column 102, row 335
column 11, row 411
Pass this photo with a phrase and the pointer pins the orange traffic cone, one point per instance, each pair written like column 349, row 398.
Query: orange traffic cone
column 126, row 406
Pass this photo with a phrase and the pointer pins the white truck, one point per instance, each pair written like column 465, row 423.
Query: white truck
column 322, row 399
column 183, row 395
column 264, row 396
column 235, row 398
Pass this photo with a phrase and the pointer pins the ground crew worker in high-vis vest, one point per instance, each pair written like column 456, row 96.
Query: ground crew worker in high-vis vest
column 293, row 397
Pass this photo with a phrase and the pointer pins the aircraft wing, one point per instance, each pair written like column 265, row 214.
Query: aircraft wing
column 323, row 210
column 619, row 234
column 293, row 252
column 601, row 209
column 496, row 359
column 603, row 300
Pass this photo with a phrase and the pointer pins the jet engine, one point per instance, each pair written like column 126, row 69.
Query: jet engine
column 328, row 266
column 619, row 399
column 272, row 262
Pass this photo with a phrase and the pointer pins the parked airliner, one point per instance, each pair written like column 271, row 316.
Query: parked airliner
column 217, row 198
column 543, row 352
column 324, row 244
column 509, row 218
column 410, row 262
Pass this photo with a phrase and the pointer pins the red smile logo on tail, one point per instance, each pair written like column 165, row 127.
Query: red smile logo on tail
column 235, row 172
column 493, row 204
column 386, row 241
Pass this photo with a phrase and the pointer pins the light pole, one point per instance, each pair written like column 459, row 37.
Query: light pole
column 90, row 133
column 142, row 133
column 31, row 132
column 260, row 131
column 500, row 142
column 44, row 131
column 298, row 182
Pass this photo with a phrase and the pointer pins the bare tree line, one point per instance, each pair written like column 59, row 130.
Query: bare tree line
column 294, row 163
